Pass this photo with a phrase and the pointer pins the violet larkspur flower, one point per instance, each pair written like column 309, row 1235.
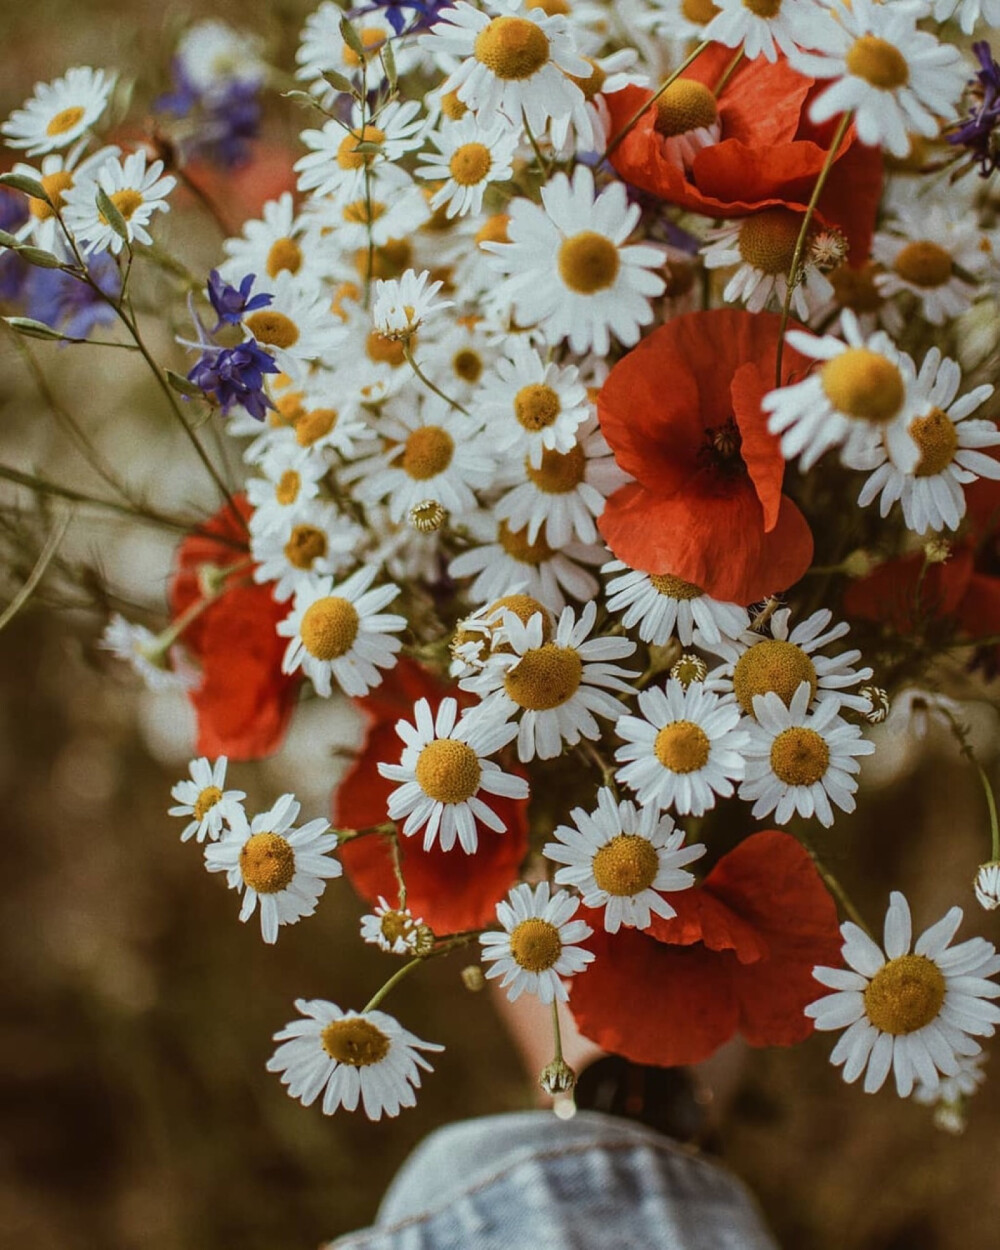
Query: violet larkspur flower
column 224, row 121
column 13, row 270
column 230, row 304
column 977, row 132
column 235, row 375
column 70, row 305
column 408, row 15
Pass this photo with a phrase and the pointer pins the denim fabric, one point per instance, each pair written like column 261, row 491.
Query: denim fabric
column 529, row 1181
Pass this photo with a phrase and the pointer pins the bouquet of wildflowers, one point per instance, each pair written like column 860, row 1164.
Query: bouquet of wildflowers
column 607, row 368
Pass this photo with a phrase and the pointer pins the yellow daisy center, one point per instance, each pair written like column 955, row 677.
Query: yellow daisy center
column 329, row 627
column 512, row 48
column 685, row 105
column 545, row 677
column 905, row 994
column 306, row 544
column 288, row 409
column 389, row 260
column 355, row 1041
column 126, row 201
column 560, row 471
column 937, row 438
column 683, row 747
column 551, row 8
column 287, row 490
column 767, row 240
column 452, row 107
column 699, row 12
column 515, row 544
column 358, row 213
column 799, row 757
column 64, row 120
column 205, row 801
column 626, row 865
column 348, row 156
column 855, row 288
column 588, row 262
column 448, row 771
column 536, row 406
column 428, row 452
column 772, row 666
column 55, row 186
column 924, row 264
column 285, row 254
column 524, row 607
column 878, row 62
column 494, row 229
column 763, row 8
column 470, row 164
column 371, row 41
column 395, row 925
column 593, row 84
column 674, row 587
column 468, row 365
column 863, row 384
column 314, row 425
column 535, row 945
column 385, row 351
column 272, row 328
column 267, row 863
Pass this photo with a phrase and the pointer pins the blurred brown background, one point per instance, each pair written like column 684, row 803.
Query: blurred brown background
column 137, row 1012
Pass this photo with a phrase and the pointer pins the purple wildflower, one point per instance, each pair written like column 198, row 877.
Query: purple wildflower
column 408, row 15
column 69, row 304
column 13, row 270
column 977, row 132
column 224, row 119
column 230, row 304
column 235, row 375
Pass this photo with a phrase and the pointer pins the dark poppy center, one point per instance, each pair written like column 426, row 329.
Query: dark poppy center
column 721, row 450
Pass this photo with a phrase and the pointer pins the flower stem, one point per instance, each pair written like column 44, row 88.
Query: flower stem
column 391, row 984
column 961, row 736
column 557, row 1056
column 38, row 572
column 191, row 613
column 668, row 81
column 727, row 73
column 436, row 390
column 835, row 888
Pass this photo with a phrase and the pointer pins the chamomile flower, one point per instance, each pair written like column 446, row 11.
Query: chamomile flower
column 687, row 121
column 556, row 686
column 915, row 711
column 536, row 947
column 270, row 862
column 916, row 1014
column 315, row 539
column 798, row 761
column 214, row 57
column 932, row 496
column 135, row 190
column 60, row 112
column 288, row 481
column 267, row 246
column 765, row 29
column 896, row 79
column 297, row 327
column 660, row 604
column 624, row 860
column 334, row 166
column 753, row 665
column 480, row 634
column 586, row 129
column 469, row 157
column 859, row 395
column 568, row 269
column 205, row 799
column 403, row 304
column 349, row 1057
column 446, row 776
column 516, row 61
column 339, row 631
column 968, row 12
column 153, row 659
column 684, row 750
column 395, row 930
column 57, row 172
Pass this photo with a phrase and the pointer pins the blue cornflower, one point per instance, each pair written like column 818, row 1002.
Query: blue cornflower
column 13, row 270
column 977, row 132
column 235, row 375
column 230, row 304
column 403, row 15
column 70, row 305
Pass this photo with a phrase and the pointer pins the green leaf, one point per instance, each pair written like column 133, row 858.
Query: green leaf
column 7, row 240
column 351, row 37
column 33, row 329
column 339, row 82
column 30, row 186
column 183, row 385
column 302, row 98
column 109, row 211
column 389, row 61
column 37, row 256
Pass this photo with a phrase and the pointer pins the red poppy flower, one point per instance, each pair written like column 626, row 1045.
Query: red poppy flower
column 244, row 701
column 682, row 414
column 450, row 890
column 738, row 956
column 769, row 154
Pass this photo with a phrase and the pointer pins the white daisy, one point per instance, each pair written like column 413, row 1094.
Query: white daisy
column 347, row 1056
column 480, row 634
column 395, row 930
column 267, row 860
column 57, row 173
column 914, row 710
column 340, row 631
column 322, row 50
column 206, row 799
column 470, row 156
column 686, row 750
column 288, row 481
column 444, row 772
column 932, row 496
column 60, row 112
column 987, row 885
column 137, row 193
column 895, row 78
column 568, row 271
column 267, row 246
column 753, row 665
column 914, row 1013
column 659, row 604
column 950, row 1097
column 797, row 760
column 213, row 57
column 401, row 305
column 536, row 947
column 767, row 27
column 969, row 12
column 516, row 61
column 587, row 128
column 297, row 327
column 460, row 359
column 326, row 419
column 623, row 860
column 859, row 395
column 555, row 686
column 316, row 540
column 156, row 662
column 334, row 166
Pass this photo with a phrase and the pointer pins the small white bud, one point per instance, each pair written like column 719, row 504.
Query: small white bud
column 987, row 885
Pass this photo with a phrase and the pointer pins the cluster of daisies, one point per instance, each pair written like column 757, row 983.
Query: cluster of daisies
column 412, row 350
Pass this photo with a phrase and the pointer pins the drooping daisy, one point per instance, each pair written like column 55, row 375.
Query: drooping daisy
column 587, row 128
column 686, row 749
column 444, row 771
column 798, row 761
column 480, row 634
column 340, row 631
column 950, row 1097
column 155, row 662
column 206, row 799
column 517, row 61
column 557, row 687
column 931, row 496
column 334, row 166
column 135, row 190
column 896, row 79
column 916, row 1014
column 59, row 112
column 396, row 930
column 536, row 946
column 315, row 540
column 767, row 27
column 270, row 862
column 402, row 304
column 568, row 269
column 753, row 665
column 470, row 156
column 624, row 860
column 659, row 604
column 349, row 1056
column 859, row 395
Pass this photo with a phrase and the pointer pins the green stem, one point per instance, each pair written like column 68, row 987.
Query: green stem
column 991, row 803
column 191, row 613
column 557, row 1057
column 669, row 81
column 835, row 888
column 727, row 73
column 38, row 572
column 542, row 163
column 391, row 984
column 436, row 390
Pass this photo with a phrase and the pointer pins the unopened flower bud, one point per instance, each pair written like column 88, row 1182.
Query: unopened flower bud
column 427, row 516
column 859, row 563
column 423, row 940
column 937, row 551
column 664, row 657
column 879, row 700
column 689, row 668
column 987, row 885
column 472, row 978
column 557, row 1077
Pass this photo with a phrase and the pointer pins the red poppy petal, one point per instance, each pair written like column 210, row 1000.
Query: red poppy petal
column 701, row 917
column 761, row 450
column 896, row 594
column 979, row 611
